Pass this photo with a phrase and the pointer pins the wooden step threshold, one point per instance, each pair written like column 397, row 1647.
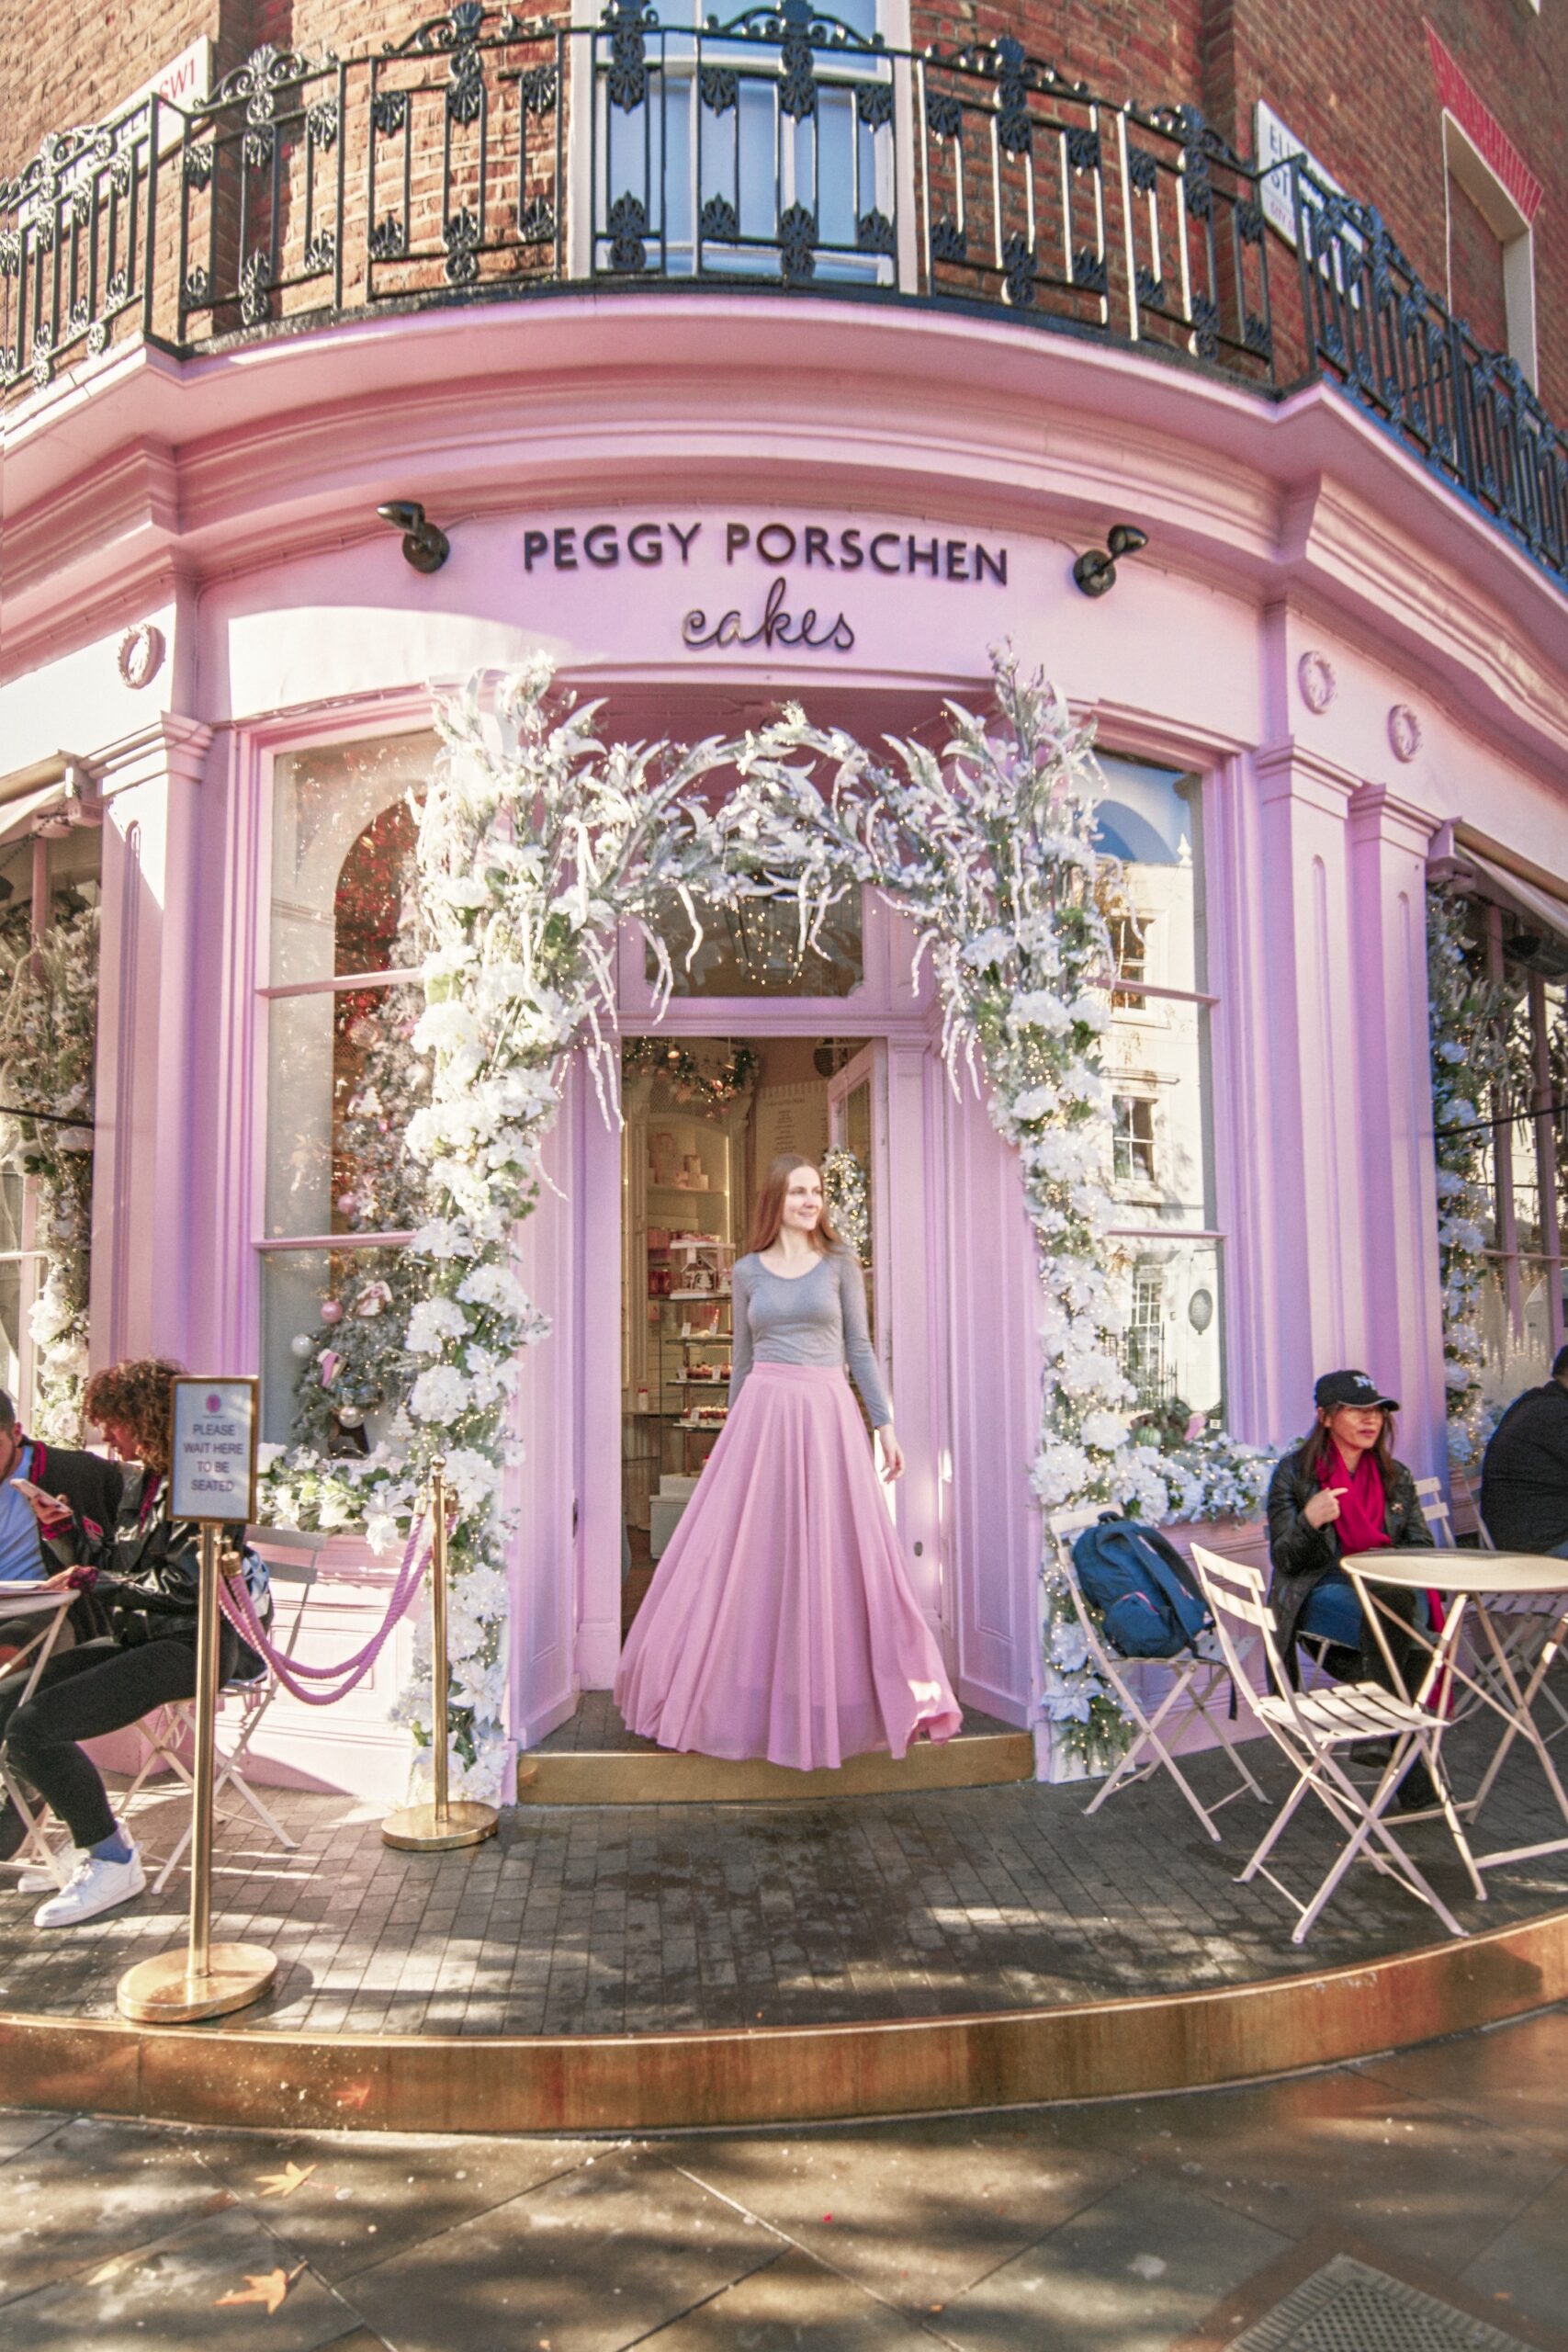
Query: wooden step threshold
column 663, row 1776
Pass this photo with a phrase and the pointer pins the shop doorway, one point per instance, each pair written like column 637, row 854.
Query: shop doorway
column 703, row 1118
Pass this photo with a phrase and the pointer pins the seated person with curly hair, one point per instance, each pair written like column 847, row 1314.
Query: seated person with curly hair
column 140, row 1587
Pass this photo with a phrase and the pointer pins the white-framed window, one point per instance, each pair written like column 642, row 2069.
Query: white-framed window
column 1169, row 1248
column 340, row 995
column 721, row 164
column 1490, row 251
column 1133, row 1140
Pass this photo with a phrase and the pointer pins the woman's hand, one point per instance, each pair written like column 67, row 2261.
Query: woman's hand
column 892, row 1452
column 1324, row 1507
column 52, row 1511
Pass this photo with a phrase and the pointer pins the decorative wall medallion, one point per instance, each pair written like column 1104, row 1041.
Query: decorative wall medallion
column 140, row 654
column 1404, row 731
column 1314, row 673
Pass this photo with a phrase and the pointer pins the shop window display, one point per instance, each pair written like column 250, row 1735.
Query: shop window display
column 1160, row 1144
column 49, row 890
column 343, row 1195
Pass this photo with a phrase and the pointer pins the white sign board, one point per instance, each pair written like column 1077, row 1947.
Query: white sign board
column 1274, row 142
column 212, row 1470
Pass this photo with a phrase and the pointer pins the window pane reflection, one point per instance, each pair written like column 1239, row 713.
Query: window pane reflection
column 755, row 949
column 342, row 833
column 1171, row 1349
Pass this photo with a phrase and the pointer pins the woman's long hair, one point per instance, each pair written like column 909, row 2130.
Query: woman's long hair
column 767, row 1217
column 1320, row 1444
column 136, row 1394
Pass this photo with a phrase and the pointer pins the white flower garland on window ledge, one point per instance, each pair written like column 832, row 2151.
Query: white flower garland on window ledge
column 535, row 843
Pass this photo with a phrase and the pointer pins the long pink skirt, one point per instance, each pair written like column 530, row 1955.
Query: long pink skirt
column 781, row 1622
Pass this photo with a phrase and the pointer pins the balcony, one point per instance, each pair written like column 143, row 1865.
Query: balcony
column 489, row 158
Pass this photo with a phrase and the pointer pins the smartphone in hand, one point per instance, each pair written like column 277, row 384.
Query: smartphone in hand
column 47, row 1506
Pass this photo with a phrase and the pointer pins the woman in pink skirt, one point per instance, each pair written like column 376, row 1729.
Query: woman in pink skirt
column 781, row 1622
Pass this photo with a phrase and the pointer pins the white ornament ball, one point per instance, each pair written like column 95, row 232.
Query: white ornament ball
column 301, row 1345
column 349, row 1415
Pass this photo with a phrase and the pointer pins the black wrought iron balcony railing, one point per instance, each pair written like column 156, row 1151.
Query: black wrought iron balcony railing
column 487, row 156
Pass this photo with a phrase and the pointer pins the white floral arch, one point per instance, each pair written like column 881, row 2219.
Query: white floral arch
column 535, row 842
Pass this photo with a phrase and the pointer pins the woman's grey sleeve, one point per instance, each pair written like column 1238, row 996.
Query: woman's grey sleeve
column 858, row 1352
column 740, row 1326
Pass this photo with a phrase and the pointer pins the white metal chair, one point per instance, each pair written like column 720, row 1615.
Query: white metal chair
column 1197, row 1681
column 1313, row 1727
column 1522, row 1627
column 243, row 1707
column 1435, row 1510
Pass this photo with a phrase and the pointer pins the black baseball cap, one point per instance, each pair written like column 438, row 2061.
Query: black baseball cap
column 1351, row 1388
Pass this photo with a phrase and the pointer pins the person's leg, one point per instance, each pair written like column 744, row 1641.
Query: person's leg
column 59, row 1668
column 94, row 1691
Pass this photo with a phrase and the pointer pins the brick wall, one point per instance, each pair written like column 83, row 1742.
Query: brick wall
column 1352, row 78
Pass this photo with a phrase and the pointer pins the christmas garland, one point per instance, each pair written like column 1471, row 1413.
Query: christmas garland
column 843, row 1190
column 709, row 1090
column 535, row 843
column 48, row 1044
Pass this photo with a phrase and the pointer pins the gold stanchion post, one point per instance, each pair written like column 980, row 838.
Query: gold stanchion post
column 440, row 1827
column 207, row 1979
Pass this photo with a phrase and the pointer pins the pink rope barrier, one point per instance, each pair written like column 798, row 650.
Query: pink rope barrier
column 345, row 1672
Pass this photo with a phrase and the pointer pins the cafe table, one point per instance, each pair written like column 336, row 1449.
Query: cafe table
column 1483, row 1590
column 46, row 1608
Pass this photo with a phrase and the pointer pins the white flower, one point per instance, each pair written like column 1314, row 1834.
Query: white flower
column 440, row 1395
column 495, row 1288
column 435, row 1321
column 446, row 1028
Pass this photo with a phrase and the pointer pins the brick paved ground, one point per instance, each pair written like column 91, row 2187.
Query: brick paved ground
column 628, row 1918
column 1153, row 2225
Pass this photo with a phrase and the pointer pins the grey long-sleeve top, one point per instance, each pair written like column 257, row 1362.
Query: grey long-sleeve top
column 817, row 1318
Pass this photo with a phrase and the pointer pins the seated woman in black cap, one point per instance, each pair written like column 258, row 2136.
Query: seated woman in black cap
column 1343, row 1491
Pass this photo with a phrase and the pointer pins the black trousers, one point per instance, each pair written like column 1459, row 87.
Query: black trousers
column 81, row 1696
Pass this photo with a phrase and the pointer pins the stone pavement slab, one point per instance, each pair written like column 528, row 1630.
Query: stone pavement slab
column 595, row 2259
column 964, row 2203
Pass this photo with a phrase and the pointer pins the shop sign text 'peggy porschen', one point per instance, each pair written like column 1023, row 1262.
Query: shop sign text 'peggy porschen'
column 787, row 580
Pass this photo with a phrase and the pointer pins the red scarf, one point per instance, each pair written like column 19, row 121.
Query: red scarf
column 1362, row 1504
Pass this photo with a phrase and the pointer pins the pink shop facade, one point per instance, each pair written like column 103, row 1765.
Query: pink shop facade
column 1325, row 679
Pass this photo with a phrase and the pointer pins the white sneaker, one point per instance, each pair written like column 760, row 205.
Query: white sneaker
column 40, row 1881
column 96, row 1886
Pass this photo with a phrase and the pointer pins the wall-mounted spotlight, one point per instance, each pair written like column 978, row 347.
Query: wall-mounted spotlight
column 424, row 546
column 1095, row 570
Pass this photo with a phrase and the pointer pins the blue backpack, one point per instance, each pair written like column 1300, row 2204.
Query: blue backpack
column 1141, row 1588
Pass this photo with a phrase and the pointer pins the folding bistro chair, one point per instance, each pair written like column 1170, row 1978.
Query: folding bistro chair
column 1197, row 1681
column 166, row 1736
column 35, row 1853
column 1312, row 1728
column 1435, row 1510
column 1522, row 1628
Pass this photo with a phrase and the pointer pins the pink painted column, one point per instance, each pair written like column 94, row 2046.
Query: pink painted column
column 914, row 1293
column 543, row 1486
column 1310, row 1008
column 1389, row 844
column 148, row 1011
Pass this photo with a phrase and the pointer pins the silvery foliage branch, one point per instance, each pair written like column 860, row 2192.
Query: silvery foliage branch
column 534, row 843
column 48, row 1043
column 991, row 849
column 1469, row 1021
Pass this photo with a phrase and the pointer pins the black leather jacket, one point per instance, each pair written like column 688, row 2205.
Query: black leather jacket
column 1301, row 1555
column 146, row 1587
